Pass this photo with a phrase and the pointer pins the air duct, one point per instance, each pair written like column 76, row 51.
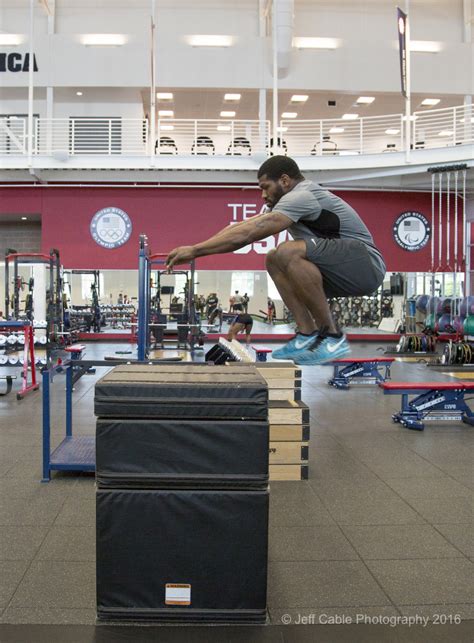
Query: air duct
column 284, row 18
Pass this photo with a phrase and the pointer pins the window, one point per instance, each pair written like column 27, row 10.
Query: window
column 243, row 282
column 272, row 289
column 86, row 283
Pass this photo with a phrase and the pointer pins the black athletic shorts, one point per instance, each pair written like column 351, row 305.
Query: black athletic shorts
column 347, row 266
column 243, row 319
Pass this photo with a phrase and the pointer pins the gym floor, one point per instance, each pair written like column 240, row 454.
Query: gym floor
column 383, row 527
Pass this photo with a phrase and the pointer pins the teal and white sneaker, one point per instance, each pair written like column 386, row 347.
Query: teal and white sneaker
column 295, row 346
column 323, row 350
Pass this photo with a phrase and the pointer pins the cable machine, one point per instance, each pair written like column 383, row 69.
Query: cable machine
column 149, row 309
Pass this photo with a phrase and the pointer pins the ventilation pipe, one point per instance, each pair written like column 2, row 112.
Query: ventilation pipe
column 283, row 21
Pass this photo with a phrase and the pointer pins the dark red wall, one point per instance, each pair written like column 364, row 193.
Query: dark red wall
column 181, row 216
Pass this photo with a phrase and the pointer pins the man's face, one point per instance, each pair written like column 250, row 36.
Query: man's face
column 272, row 191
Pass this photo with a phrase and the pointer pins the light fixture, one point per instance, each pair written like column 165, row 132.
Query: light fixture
column 412, row 118
column 315, row 43
column 224, row 128
column 166, row 112
column 11, row 39
column 282, row 129
column 446, row 132
column 463, row 120
column 365, row 100
column 392, row 131
column 299, row 98
column 209, row 41
column 336, row 130
column 232, row 96
column 430, row 102
column 164, row 95
column 167, row 127
column 103, row 39
column 78, row 93
column 350, row 117
column 425, row 46
column 289, row 114
column 225, row 114
column 348, row 153
column 24, row 218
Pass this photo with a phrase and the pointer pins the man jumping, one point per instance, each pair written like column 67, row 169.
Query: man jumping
column 332, row 255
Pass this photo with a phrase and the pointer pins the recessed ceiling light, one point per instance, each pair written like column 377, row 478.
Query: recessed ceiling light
column 446, row 132
column 392, row 131
column 165, row 112
column 350, row 117
column 209, row 41
column 167, row 127
column 223, row 128
column 316, row 43
column 164, row 95
column 225, row 114
column 365, row 100
column 103, row 39
column 78, row 93
column 232, row 96
column 299, row 98
column 430, row 102
column 336, row 130
column 425, row 46
column 289, row 114
column 24, row 218
column 282, row 129
column 11, row 39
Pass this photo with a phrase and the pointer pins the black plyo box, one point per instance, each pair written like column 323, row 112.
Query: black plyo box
column 181, row 391
column 210, row 545
column 161, row 453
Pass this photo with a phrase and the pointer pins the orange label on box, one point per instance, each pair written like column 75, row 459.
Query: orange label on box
column 177, row 594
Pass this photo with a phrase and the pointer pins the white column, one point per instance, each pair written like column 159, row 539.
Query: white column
column 31, row 71
column 408, row 84
column 152, row 133
column 275, row 73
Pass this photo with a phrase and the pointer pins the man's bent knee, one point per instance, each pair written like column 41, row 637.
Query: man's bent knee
column 289, row 250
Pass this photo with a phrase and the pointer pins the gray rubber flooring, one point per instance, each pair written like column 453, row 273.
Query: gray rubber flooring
column 381, row 531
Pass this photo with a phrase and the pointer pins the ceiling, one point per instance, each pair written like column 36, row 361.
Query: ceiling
column 208, row 103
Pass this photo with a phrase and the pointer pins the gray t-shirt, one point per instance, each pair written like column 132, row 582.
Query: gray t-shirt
column 319, row 213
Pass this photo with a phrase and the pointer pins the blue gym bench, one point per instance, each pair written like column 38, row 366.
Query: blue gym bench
column 433, row 401
column 361, row 371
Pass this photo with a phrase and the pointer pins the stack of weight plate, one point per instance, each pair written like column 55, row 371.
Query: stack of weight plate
column 182, row 494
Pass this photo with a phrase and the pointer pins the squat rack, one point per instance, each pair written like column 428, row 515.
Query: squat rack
column 146, row 260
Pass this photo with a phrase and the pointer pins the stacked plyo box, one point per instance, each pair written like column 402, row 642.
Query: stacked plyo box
column 288, row 418
column 182, row 494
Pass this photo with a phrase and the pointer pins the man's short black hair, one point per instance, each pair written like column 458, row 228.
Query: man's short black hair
column 274, row 167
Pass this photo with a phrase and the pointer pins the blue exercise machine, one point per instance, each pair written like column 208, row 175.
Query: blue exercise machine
column 360, row 371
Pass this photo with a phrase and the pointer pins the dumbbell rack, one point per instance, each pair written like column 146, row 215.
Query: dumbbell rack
column 118, row 316
column 28, row 355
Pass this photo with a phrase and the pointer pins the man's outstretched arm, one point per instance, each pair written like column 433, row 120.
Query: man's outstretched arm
column 232, row 238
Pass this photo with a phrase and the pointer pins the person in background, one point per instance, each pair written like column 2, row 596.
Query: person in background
column 332, row 254
column 245, row 302
column 271, row 310
column 238, row 303
column 243, row 322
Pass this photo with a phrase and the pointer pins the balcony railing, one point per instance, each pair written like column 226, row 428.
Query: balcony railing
column 108, row 137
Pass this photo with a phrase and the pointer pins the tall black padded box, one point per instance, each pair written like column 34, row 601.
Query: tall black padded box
column 159, row 453
column 181, row 391
column 182, row 555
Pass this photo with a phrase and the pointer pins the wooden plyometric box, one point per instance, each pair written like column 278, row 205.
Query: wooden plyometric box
column 288, row 412
column 289, row 433
column 288, row 452
column 288, row 472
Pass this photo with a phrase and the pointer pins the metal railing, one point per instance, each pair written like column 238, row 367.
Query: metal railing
column 339, row 137
column 13, row 135
column 206, row 137
column 107, row 137
column 443, row 127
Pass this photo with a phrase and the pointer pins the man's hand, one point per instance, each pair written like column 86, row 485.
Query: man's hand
column 182, row 254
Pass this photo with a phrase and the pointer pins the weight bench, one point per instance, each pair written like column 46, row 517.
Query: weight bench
column 9, row 382
column 360, row 371
column 261, row 353
column 76, row 352
column 434, row 401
